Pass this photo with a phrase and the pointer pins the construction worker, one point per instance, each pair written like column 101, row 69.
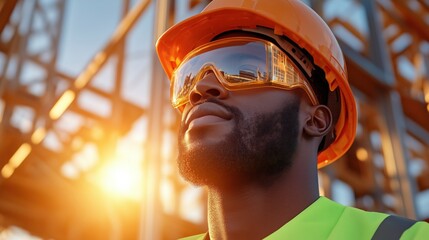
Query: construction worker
column 265, row 101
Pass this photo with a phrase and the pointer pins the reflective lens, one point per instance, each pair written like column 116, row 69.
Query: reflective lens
column 238, row 63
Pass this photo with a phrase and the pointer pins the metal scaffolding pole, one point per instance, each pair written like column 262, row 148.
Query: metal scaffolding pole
column 151, row 224
column 392, row 120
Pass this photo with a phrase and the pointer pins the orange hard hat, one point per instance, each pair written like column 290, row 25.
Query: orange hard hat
column 290, row 18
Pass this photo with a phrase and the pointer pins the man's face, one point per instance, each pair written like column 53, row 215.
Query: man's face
column 237, row 137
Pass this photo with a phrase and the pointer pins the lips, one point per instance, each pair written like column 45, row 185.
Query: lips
column 207, row 109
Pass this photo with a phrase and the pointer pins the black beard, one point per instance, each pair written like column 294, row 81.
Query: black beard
column 257, row 151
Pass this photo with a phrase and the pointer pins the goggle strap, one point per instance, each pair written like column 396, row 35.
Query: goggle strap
column 334, row 104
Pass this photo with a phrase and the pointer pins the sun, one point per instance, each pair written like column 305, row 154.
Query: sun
column 121, row 179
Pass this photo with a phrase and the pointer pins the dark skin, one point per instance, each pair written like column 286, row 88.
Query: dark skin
column 254, row 209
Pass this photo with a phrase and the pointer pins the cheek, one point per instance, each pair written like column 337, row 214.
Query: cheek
column 265, row 100
column 302, row 119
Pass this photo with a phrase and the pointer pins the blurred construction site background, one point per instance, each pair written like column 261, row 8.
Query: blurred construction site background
column 87, row 135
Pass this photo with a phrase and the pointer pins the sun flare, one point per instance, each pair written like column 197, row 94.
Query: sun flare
column 121, row 179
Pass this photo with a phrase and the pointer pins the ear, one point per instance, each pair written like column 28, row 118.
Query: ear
column 319, row 121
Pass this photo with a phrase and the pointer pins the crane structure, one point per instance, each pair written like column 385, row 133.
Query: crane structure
column 50, row 119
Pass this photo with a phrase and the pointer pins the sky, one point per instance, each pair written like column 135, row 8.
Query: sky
column 87, row 27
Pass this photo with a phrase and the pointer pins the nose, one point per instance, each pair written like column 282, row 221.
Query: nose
column 208, row 87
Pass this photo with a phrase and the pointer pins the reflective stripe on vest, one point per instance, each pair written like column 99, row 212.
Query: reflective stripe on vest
column 392, row 227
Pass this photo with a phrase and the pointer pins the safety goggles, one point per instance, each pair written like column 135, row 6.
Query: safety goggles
column 239, row 63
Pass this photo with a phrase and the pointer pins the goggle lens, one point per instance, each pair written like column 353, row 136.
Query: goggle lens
column 239, row 63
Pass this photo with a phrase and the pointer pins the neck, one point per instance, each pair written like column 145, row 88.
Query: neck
column 255, row 211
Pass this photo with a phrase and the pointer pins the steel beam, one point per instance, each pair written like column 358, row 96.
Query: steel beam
column 151, row 224
column 392, row 122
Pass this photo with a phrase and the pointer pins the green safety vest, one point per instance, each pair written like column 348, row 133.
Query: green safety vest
column 326, row 219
